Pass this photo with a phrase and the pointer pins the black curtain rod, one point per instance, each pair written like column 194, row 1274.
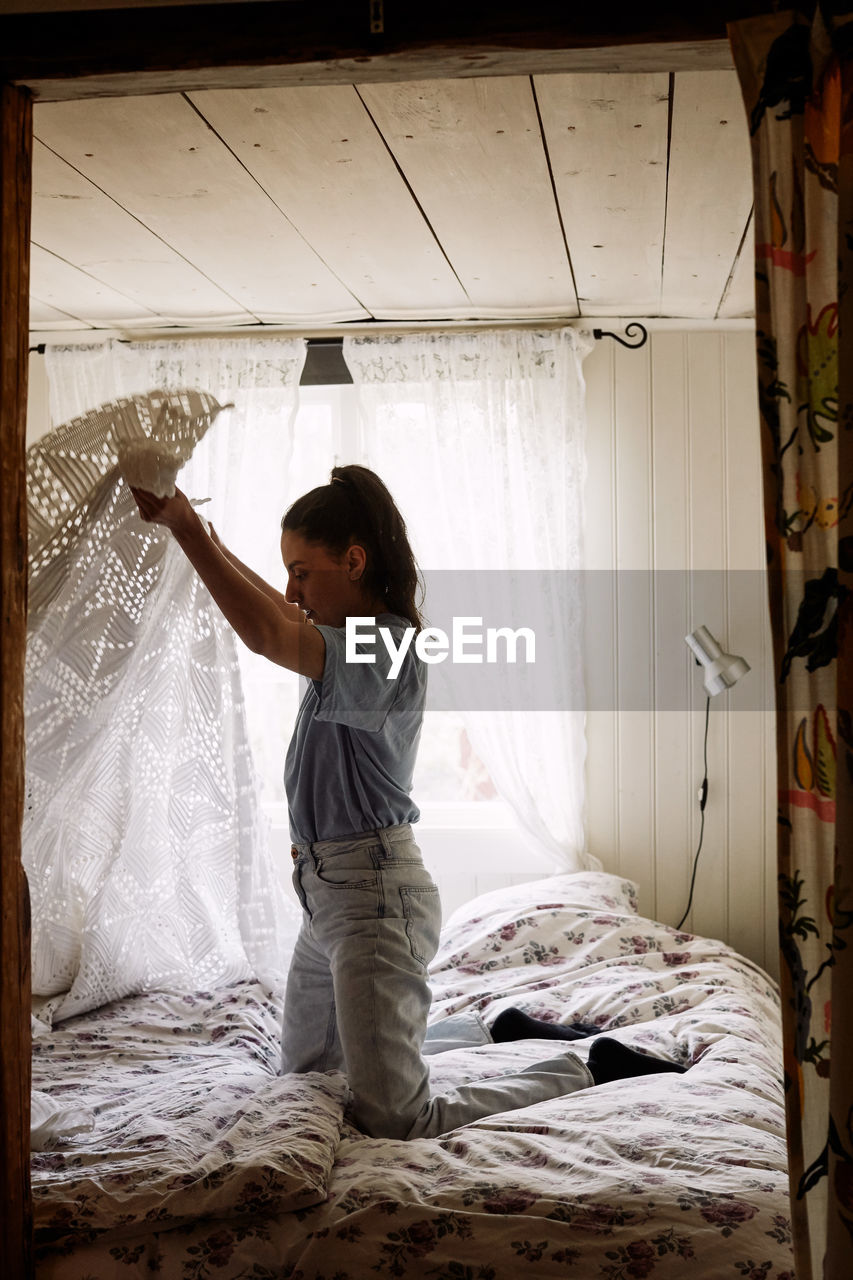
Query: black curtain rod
column 630, row 329
column 633, row 328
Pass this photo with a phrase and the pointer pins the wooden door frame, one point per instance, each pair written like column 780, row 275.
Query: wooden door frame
column 15, row 1047
column 253, row 43
column 231, row 44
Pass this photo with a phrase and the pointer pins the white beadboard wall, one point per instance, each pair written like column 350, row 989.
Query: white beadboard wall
column 674, row 483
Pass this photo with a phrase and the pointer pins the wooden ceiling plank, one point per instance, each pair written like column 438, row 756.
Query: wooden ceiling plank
column 65, row 287
column 471, row 150
column 162, row 163
column 47, row 319
column 75, row 220
column 738, row 300
column 319, row 156
column 606, row 136
column 710, row 192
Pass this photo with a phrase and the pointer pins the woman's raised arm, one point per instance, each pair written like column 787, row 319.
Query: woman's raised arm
column 276, row 596
column 262, row 618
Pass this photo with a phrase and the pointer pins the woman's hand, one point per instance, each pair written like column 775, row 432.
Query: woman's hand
column 294, row 614
column 175, row 513
column 260, row 615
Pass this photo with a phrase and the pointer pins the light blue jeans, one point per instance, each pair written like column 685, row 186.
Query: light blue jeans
column 357, row 995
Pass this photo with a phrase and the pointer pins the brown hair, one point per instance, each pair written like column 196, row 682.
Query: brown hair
column 356, row 507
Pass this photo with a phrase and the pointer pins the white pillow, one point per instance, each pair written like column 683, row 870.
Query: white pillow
column 589, row 890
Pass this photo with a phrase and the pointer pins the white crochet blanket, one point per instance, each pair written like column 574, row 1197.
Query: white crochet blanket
column 146, row 859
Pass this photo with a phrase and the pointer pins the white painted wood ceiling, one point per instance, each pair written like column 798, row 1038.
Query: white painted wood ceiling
column 493, row 198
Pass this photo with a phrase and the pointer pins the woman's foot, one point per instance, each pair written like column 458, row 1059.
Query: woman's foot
column 610, row 1060
column 514, row 1024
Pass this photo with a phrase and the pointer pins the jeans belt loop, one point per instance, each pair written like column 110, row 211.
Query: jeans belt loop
column 385, row 842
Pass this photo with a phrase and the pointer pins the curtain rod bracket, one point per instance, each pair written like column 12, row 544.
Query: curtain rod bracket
column 632, row 346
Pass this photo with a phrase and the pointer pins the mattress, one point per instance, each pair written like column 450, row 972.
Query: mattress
column 189, row 1157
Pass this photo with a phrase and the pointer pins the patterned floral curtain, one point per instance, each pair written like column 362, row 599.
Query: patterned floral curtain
column 797, row 81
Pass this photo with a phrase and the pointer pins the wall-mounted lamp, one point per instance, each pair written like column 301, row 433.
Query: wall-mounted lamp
column 722, row 670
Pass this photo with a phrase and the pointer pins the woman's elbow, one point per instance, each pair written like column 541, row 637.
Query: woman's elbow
column 255, row 645
column 256, row 637
column 264, row 645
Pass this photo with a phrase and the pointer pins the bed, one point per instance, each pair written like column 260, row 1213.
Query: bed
column 188, row 1157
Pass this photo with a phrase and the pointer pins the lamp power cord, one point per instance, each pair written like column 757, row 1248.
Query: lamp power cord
column 703, row 800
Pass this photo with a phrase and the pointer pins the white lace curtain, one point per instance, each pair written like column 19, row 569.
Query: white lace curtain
column 147, row 865
column 481, row 438
column 143, row 841
column 244, row 465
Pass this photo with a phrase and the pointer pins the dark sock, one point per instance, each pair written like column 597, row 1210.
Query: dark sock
column 514, row 1024
column 610, row 1060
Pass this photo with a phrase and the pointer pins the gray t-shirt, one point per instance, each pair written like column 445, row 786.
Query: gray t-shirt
column 352, row 755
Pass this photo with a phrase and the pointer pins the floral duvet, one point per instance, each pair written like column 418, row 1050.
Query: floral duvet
column 198, row 1161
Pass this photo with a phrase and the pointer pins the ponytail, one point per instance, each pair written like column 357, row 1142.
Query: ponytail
column 356, row 507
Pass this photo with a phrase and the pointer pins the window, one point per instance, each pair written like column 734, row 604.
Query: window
column 452, row 786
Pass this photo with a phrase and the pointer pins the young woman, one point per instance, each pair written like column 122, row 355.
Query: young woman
column 357, row 997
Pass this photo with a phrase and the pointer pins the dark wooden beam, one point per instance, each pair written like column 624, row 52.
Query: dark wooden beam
column 302, row 42
column 15, row 194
